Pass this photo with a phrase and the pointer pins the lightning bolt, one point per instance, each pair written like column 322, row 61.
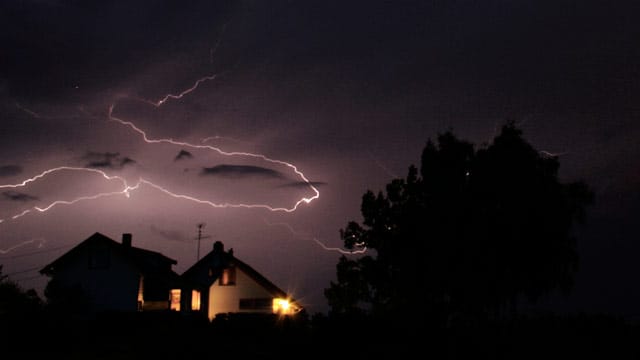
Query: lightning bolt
column 183, row 93
column 125, row 191
column 40, row 241
column 550, row 154
column 28, row 111
column 224, row 205
column 59, row 169
column 145, row 137
column 298, row 234
column 214, row 49
column 217, row 137
column 384, row 168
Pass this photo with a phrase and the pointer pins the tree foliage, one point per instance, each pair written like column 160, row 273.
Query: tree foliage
column 63, row 300
column 16, row 303
column 470, row 231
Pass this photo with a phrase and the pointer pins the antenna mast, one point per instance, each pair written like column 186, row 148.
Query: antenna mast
column 200, row 226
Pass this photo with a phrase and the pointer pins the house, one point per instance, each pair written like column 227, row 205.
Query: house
column 115, row 276
column 219, row 283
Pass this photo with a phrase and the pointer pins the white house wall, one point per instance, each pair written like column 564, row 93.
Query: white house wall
column 226, row 298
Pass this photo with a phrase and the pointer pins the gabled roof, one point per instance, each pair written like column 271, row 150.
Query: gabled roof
column 217, row 260
column 257, row 277
column 146, row 261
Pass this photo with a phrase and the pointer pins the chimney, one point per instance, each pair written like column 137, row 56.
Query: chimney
column 126, row 240
column 218, row 247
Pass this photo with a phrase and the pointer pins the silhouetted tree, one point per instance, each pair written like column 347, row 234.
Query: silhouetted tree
column 67, row 301
column 14, row 301
column 468, row 233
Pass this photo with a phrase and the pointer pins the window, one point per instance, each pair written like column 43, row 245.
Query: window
column 256, row 304
column 175, row 299
column 141, row 293
column 195, row 300
column 228, row 276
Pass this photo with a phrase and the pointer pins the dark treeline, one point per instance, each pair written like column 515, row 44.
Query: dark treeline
column 468, row 234
column 129, row 335
column 30, row 327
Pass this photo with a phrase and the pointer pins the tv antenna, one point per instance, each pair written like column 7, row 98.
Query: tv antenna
column 200, row 237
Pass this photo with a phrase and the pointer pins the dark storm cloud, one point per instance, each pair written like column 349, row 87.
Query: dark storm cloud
column 86, row 37
column 172, row 235
column 10, row 170
column 18, row 196
column 302, row 184
column 240, row 171
column 126, row 161
column 183, row 154
column 107, row 160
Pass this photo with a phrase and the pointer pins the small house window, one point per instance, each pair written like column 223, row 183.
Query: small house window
column 262, row 304
column 195, row 300
column 175, row 299
column 141, row 293
column 228, row 277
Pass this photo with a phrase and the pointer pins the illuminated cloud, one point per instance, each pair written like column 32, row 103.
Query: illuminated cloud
column 106, row 160
column 240, row 171
column 126, row 161
column 302, row 184
column 172, row 235
column 10, row 170
column 183, row 154
column 18, row 196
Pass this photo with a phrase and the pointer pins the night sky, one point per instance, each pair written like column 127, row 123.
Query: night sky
column 298, row 97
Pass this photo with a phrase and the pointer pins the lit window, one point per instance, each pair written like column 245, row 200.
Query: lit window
column 175, row 299
column 141, row 293
column 195, row 300
column 284, row 306
column 228, row 276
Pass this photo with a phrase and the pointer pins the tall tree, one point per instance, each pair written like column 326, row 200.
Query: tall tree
column 470, row 232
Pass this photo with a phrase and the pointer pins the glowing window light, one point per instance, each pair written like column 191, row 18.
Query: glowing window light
column 195, row 300
column 141, row 293
column 283, row 306
column 228, row 277
column 175, row 299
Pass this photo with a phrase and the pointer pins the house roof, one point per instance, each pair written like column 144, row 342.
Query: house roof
column 257, row 277
column 146, row 261
column 217, row 260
